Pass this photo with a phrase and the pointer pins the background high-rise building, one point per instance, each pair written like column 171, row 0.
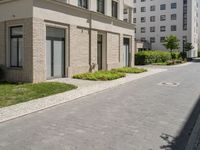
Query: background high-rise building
column 156, row 19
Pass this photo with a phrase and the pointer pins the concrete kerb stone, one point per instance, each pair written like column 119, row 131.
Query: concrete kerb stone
column 26, row 108
column 194, row 141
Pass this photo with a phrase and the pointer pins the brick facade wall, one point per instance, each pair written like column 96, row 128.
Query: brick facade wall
column 79, row 50
column 94, row 49
column 79, row 42
column 24, row 74
column 113, row 51
column 2, row 43
column 39, row 50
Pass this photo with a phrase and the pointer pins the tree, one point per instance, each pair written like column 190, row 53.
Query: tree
column 188, row 47
column 171, row 43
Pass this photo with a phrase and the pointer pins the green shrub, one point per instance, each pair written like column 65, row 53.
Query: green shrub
column 183, row 55
column 100, row 75
column 149, row 57
column 2, row 73
column 130, row 70
column 177, row 55
column 198, row 53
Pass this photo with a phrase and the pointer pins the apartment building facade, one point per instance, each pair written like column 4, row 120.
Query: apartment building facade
column 45, row 39
column 156, row 19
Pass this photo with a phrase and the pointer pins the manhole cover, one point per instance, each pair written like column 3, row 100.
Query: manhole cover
column 169, row 83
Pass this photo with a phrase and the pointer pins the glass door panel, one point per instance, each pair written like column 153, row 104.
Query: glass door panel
column 58, row 63
column 48, row 59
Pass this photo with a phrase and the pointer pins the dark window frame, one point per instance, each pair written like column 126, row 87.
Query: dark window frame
column 162, row 28
column 163, row 7
column 115, row 9
column 173, row 16
column 173, row 5
column 83, row 4
column 101, row 6
column 11, row 36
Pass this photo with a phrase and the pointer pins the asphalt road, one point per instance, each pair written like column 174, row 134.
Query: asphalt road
column 140, row 115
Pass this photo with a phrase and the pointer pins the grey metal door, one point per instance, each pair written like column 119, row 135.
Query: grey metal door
column 55, row 60
column 126, row 56
column 126, row 53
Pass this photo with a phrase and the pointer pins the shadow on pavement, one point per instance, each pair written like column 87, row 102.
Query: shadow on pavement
column 180, row 142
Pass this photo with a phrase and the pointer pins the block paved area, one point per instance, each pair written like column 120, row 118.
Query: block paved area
column 140, row 115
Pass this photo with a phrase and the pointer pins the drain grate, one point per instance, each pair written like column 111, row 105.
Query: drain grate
column 174, row 84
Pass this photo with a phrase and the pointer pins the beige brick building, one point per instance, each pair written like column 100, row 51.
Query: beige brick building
column 45, row 39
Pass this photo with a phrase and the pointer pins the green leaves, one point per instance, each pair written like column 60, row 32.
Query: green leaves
column 188, row 47
column 150, row 57
column 100, row 75
column 171, row 43
column 130, row 70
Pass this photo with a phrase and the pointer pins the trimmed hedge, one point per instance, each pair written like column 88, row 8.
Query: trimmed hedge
column 130, row 70
column 150, row 57
column 100, row 75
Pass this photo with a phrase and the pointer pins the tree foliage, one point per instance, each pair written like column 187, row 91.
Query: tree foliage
column 188, row 47
column 171, row 43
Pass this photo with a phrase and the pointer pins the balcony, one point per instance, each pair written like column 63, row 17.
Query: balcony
column 128, row 3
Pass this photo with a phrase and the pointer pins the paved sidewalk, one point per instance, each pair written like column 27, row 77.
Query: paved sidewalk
column 84, row 88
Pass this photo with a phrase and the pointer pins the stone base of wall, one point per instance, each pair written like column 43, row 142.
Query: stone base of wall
column 113, row 66
column 77, row 70
column 17, row 75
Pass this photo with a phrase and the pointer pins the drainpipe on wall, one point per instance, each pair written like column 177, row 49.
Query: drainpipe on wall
column 90, row 47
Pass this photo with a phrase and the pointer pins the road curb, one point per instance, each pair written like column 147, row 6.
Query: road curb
column 26, row 108
column 194, row 141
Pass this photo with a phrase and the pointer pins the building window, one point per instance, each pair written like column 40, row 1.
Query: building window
column 143, row 0
column 173, row 5
column 83, row 3
column 152, row 19
column 185, row 12
column 16, row 46
column 173, row 28
column 125, row 11
column 143, row 19
column 163, row 7
column 100, row 6
column 114, row 9
column 125, row 19
column 152, row 29
column 152, row 39
column 162, row 29
column 143, row 9
column 162, row 17
column 134, row 20
column 143, row 39
column 143, row 30
column 134, row 1
column 162, row 39
column 134, row 10
column 152, row 8
column 173, row 16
